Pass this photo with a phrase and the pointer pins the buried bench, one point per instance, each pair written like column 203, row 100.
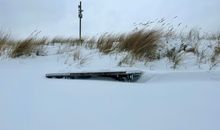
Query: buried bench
column 126, row 76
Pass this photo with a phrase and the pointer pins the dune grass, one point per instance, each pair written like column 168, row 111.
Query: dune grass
column 27, row 47
column 70, row 40
column 139, row 45
column 142, row 44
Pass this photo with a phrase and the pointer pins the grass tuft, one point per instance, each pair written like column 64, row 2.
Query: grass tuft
column 141, row 44
column 5, row 43
column 27, row 47
column 175, row 55
column 72, row 41
column 105, row 43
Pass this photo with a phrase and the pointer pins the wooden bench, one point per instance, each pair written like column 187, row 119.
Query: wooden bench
column 126, row 76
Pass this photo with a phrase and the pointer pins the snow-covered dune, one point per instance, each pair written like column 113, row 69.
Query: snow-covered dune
column 160, row 100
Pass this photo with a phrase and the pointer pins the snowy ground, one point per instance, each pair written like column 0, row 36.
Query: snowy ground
column 185, row 99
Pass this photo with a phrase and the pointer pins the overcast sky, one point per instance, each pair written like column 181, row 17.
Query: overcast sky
column 59, row 17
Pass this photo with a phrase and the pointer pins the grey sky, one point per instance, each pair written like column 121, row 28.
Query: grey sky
column 59, row 17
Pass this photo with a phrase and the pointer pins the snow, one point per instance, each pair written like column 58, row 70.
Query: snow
column 162, row 99
column 187, row 98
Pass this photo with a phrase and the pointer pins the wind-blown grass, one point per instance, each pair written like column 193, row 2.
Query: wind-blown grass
column 72, row 41
column 141, row 44
column 26, row 47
